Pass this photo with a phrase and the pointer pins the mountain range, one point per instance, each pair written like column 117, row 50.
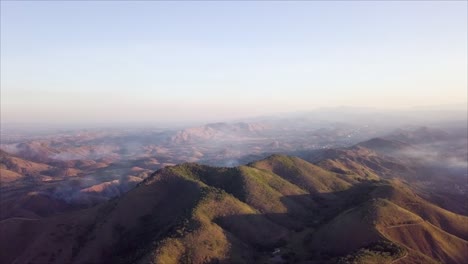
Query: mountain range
column 368, row 203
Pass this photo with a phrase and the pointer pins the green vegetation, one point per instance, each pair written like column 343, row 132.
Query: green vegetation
column 278, row 210
column 378, row 252
column 307, row 176
column 228, row 179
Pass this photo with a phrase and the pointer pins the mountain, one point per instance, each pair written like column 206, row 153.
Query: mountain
column 281, row 209
column 218, row 132
column 35, row 189
column 358, row 160
column 420, row 135
column 386, row 146
column 13, row 168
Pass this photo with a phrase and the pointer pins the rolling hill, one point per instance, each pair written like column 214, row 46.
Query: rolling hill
column 281, row 209
column 13, row 168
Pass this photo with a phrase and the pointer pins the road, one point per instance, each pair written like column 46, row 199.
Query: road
column 401, row 225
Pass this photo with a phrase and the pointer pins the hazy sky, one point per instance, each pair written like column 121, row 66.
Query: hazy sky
column 157, row 61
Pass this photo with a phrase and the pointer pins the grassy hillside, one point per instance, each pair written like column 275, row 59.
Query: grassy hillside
column 278, row 210
column 303, row 174
column 13, row 168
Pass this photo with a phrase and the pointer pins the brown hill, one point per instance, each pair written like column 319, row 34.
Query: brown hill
column 281, row 209
column 386, row 146
column 309, row 177
column 13, row 168
column 420, row 135
column 217, row 132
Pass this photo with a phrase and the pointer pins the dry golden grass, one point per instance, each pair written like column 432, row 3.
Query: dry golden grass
column 9, row 176
column 303, row 174
column 196, row 214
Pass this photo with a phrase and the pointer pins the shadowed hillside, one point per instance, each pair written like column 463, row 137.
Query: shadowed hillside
column 278, row 210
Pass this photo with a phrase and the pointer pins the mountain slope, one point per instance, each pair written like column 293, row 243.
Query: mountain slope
column 271, row 211
column 303, row 174
column 13, row 168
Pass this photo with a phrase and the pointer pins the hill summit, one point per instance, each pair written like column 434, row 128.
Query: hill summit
column 281, row 209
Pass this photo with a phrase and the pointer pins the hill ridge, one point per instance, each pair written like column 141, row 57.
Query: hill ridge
column 246, row 213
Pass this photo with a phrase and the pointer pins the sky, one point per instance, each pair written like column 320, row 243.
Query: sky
column 149, row 61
